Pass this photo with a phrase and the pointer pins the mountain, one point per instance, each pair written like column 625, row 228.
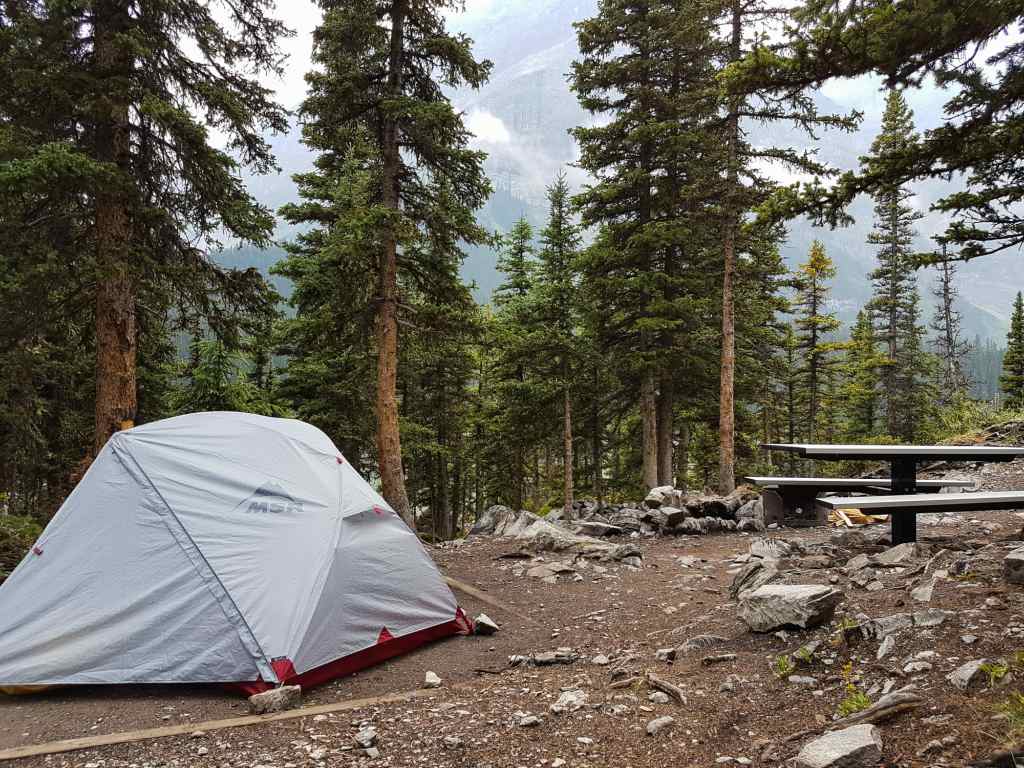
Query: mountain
column 522, row 116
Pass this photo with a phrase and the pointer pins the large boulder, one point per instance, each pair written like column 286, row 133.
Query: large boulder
column 492, row 517
column 858, row 746
column 776, row 606
column 518, row 525
column 664, row 495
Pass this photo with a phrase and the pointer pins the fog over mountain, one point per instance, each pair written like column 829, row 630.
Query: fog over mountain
column 521, row 118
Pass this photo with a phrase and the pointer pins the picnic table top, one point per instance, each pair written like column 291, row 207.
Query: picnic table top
column 853, row 482
column 890, row 452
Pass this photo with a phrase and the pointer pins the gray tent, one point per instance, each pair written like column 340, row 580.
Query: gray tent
column 219, row 547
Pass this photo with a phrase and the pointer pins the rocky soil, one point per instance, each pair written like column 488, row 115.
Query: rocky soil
column 811, row 647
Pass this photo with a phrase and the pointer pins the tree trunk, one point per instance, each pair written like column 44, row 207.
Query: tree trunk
column 684, row 457
column 116, row 337
column 727, row 410
column 389, row 442
column 666, row 430
column 595, row 444
column 649, row 417
column 567, row 438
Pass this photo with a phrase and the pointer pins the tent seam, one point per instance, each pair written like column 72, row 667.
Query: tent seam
column 210, row 572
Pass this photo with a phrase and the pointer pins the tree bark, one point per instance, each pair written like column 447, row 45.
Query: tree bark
column 567, row 438
column 649, row 418
column 666, row 430
column 389, row 442
column 683, row 457
column 116, row 336
column 595, row 445
column 727, row 410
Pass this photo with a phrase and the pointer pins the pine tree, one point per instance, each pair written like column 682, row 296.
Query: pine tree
column 101, row 107
column 859, row 393
column 743, row 25
column 1011, row 382
column 381, row 71
column 814, row 327
column 556, row 313
column 949, row 346
column 906, row 43
column 895, row 290
column 648, row 68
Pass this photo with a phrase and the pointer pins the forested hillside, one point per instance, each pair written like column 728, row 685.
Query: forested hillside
column 529, row 253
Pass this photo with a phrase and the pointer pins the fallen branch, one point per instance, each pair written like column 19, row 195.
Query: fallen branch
column 674, row 691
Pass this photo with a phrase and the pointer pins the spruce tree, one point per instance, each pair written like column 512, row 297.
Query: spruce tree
column 859, row 392
column 1011, row 382
column 895, row 289
column 648, row 69
column 106, row 108
column 814, row 326
column 556, row 315
column 743, row 24
column 906, row 43
column 381, row 71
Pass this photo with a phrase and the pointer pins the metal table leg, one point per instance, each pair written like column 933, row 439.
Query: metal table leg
column 904, row 481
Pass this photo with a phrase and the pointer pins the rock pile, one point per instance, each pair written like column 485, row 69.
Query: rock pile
column 666, row 511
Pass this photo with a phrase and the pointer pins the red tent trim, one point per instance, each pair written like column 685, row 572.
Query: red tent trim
column 385, row 649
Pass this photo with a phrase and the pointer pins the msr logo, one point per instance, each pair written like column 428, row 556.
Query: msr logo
column 270, row 498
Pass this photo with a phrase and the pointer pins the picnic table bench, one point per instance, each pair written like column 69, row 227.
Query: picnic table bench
column 904, row 502
column 796, row 498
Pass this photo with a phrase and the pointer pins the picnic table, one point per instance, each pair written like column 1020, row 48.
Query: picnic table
column 904, row 461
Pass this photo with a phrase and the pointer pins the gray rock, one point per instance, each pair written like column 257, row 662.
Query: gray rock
column 658, row 697
column 801, row 680
column 484, row 625
column 923, row 592
column 526, row 720
column 431, row 680
column 1013, row 566
column 969, row 675
column 886, row 647
column 597, row 528
column 776, row 606
column 753, row 575
column 276, row 699
column 491, row 519
column 600, row 660
column 659, row 724
column 854, row 564
column 700, row 642
column 898, row 555
column 859, row 746
column 931, row 617
column 452, row 742
column 887, row 625
column 569, row 701
column 366, row 737
column 914, row 667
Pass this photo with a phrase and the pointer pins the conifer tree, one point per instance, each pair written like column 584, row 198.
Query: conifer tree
column 950, row 348
column 814, row 327
column 556, row 315
column 648, row 67
column 1011, row 382
column 743, row 25
column 381, row 72
column 101, row 107
column 859, row 392
column 895, row 290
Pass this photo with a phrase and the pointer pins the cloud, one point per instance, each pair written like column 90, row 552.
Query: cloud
column 487, row 127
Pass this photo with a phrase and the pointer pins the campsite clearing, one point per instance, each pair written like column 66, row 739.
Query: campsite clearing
column 472, row 719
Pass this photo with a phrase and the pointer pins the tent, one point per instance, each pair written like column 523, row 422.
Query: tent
column 220, row 547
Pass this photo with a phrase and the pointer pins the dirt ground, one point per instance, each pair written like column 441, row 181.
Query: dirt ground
column 473, row 719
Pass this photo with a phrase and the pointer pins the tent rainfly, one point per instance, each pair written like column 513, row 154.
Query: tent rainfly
column 220, row 547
